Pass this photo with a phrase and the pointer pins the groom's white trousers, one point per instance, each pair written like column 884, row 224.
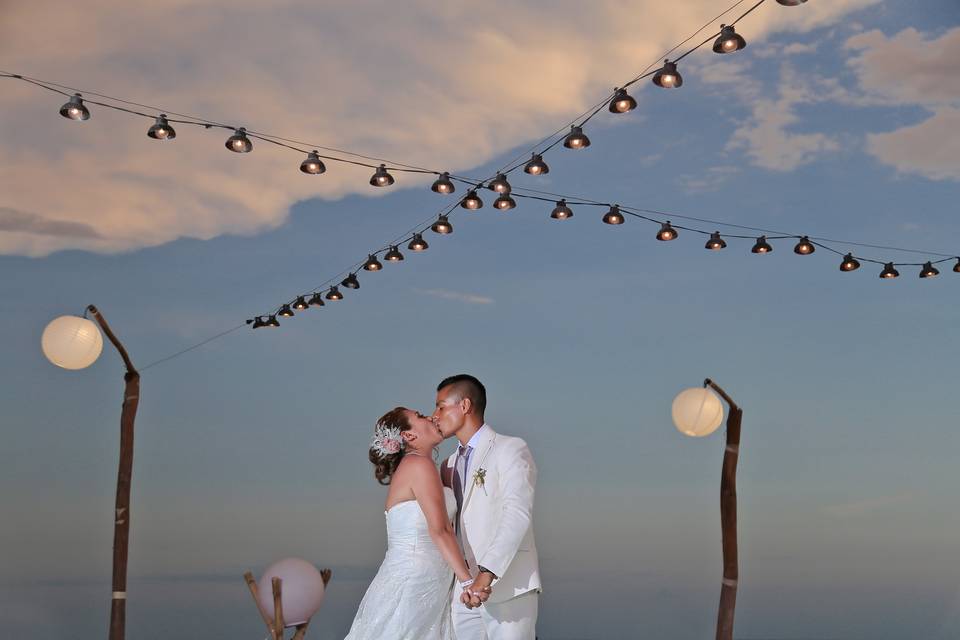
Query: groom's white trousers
column 513, row 619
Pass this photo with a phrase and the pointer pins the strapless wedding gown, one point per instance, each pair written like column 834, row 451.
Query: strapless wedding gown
column 410, row 597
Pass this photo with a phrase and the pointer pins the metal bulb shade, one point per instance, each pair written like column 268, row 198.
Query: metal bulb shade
column 301, row 304
column 576, row 139
column 272, row 322
column 239, row 142
column 715, row 243
column 74, row 109
column 442, row 226
column 729, row 40
column 536, row 166
column 613, row 216
column 668, row 77
column 804, row 247
column 667, row 233
column 418, row 243
column 316, row 300
column 761, row 246
column 849, row 263
column 334, row 294
column 381, row 178
column 258, row 322
column 889, row 271
column 443, row 184
column 312, row 165
column 791, row 3
column 350, row 282
column 504, row 202
column 929, row 271
column 372, row 264
column 285, row 311
column 393, row 255
column 561, row 211
column 500, row 184
column 622, row 102
column 956, row 267
column 471, row 201
column 161, row 129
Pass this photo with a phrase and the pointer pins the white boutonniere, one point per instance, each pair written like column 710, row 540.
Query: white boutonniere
column 480, row 478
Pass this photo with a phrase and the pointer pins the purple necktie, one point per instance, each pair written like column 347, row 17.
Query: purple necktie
column 460, row 470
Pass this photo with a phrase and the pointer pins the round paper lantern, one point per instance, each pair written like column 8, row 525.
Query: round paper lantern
column 71, row 342
column 302, row 590
column 697, row 412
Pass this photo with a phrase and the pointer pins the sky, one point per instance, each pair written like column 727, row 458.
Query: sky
column 838, row 120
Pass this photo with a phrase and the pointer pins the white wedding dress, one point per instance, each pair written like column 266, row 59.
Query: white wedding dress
column 410, row 597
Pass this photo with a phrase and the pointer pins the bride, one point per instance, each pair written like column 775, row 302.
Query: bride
column 410, row 597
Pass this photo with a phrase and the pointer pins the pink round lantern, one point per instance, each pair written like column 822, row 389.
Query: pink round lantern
column 302, row 590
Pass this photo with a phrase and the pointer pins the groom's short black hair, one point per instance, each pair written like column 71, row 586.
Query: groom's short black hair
column 468, row 387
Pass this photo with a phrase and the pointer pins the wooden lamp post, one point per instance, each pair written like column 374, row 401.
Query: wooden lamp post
column 698, row 412
column 72, row 342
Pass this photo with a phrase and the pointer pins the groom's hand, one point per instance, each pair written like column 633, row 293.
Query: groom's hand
column 469, row 600
column 481, row 586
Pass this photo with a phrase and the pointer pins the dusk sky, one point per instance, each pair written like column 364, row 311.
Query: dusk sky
column 839, row 120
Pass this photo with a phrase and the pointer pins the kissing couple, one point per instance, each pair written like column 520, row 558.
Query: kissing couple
column 461, row 563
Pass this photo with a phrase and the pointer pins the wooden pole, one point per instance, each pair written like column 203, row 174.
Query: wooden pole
column 252, row 585
column 728, row 516
column 277, row 585
column 121, row 519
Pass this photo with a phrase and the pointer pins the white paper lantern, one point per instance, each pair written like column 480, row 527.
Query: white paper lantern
column 71, row 342
column 302, row 590
column 697, row 412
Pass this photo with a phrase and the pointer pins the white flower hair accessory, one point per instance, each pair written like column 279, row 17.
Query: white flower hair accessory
column 386, row 441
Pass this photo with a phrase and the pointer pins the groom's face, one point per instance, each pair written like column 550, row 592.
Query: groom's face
column 449, row 414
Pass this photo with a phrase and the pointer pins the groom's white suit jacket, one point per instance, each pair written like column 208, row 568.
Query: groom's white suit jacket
column 496, row 520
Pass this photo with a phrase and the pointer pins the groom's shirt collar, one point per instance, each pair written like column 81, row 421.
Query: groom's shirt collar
column 478, row 436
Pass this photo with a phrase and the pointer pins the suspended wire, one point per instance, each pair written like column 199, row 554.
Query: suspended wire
column 191, row 348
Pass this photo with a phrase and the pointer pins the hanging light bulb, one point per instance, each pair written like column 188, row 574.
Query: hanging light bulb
column 504, row 202
column 668, row 77
column 161, row 129
column 418, row 243
column 350, row 282
column 613, row 216
column 761, row 246
column 272, row 322
column 313, row 165
column 381, row 178
column 301, row 304
column 258, row 322
column 791, row 3
column 622, row 102
column 667, row 232
column 729, row 40
column 929, row 271
column 715, row 243
column 239, row 142
column 372, row 264
column 471, row 201
column 334, row 294
column 500, row 184
column 849, row 263
column 561, row 211
column 74, row 109
column 804, row 247
column 285, row 311
column 576, row 139
column 442, row 226
column 316, row 300
column 536, row 166
column 956, row 267
column 889, row 271
column 443, row 184
column 393, row 255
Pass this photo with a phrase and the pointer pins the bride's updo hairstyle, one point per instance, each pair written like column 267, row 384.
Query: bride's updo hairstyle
column 387, row 449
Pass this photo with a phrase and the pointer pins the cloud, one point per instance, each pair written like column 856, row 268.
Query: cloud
column 13, row 221
column 766, row 135
column 867, row 505
column 709, row 180
column 911, row 68
column 432, row 85
column 468, row 298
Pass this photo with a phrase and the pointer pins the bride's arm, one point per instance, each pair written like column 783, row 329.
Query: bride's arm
column 428, row 491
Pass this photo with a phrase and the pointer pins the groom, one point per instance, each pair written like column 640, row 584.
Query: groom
column 493, row 478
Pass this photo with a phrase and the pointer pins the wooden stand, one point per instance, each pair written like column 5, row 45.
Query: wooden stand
column 276, row 625
column 728, row 516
